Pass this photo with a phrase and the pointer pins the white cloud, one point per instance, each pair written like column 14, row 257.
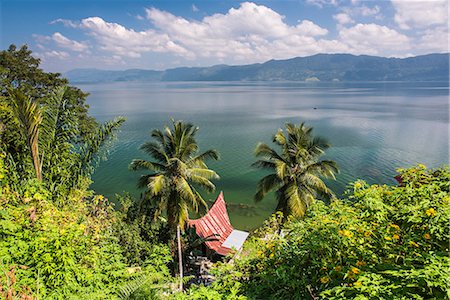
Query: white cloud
column 374, row 39
column 53, row 54
column 343, row 18
column 322, row 3
column 367, row 11
column 431, row 40
column 248, row 33
column 117, row 39
column 69, row 44
column 308, row 28
column 420, row 14
column 194, row 8
column 67, row 23
column 245, row 34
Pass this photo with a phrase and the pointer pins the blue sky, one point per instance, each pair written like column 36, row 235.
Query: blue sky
column 165, row 34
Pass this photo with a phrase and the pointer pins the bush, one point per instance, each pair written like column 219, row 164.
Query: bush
column 381, row 242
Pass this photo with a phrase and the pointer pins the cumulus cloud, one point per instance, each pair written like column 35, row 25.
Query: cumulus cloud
column 249, row 32
column 246, row 34
column 69, row 44
column 420, row 14
column 374, row 39
column 116, row 38
column 343, row 18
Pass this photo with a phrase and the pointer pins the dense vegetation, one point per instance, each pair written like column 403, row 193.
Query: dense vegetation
column 59, row 240
column 381, row 242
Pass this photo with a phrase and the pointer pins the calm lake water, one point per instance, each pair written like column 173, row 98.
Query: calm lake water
column 374, row 128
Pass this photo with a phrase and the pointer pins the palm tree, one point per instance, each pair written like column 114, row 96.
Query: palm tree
column 177, row 171
column 296, row 170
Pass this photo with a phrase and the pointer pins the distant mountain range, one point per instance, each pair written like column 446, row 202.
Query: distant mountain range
column 320, row 67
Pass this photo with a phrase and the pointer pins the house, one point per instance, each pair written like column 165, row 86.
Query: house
column 217, row 223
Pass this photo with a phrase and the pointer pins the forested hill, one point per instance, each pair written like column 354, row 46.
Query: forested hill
column 320, row 67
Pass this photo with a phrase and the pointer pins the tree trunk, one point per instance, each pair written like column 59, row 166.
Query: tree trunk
column 180, row 258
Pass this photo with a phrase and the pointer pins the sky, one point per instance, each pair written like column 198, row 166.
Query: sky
column 125, row 34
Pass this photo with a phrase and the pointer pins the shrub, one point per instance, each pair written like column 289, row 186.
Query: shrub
column 380, row 242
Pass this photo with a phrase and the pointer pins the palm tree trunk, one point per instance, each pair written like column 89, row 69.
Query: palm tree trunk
column 180, row 259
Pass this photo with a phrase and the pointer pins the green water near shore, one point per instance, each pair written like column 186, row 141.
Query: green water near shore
column 374, row 128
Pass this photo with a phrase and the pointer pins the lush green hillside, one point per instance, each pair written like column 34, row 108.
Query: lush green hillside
column 60, row 240
column 325, row 67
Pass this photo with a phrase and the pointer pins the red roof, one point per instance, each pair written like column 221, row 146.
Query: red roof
column 216, row 221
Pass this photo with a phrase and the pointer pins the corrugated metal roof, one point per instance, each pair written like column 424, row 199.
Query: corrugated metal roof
column 216, row 221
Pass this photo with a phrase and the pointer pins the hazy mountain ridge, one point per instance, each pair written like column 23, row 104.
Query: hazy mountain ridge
column 324, row 67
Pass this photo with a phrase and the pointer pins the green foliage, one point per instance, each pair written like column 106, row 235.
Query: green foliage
column 70, row 252
column 296, row 170
column 381, row 243
column 44, row 124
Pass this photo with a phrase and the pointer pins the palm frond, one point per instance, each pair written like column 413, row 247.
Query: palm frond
column 201, row 172
column 297, row 205
column 326, row 168
column 157, row 184
column 208, row 154
column 264, row 164
column 262, row 150
column 203, row 182
column 265, row 185
column 144, row 180
column 140, row 164
column 279, row 138
column 156, row 151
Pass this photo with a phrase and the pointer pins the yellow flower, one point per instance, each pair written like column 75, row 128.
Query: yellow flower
column 355, row 270
column 430, row 212
column 367, row 233
column 396, row 237
column 412, row 243
column 395, row 226
column 338, row 268
column 387, row 238
column 325, row 279
column 422, row 166
column 358, row 185
column 427, row 236
column 345, row 233
column 358, row 283
column 360, row 263
column 271, row 255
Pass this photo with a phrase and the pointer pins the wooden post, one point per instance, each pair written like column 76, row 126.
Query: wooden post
column 180, row 259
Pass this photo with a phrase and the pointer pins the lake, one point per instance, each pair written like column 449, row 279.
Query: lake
column 374, row 128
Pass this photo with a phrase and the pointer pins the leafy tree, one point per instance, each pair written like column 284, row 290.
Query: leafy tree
column 20, row 70
column 296, row 169
column 177, row 171
column 43, row 118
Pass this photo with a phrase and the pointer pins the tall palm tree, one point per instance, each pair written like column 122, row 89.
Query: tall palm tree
column 177, row 171
column 296, row 170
